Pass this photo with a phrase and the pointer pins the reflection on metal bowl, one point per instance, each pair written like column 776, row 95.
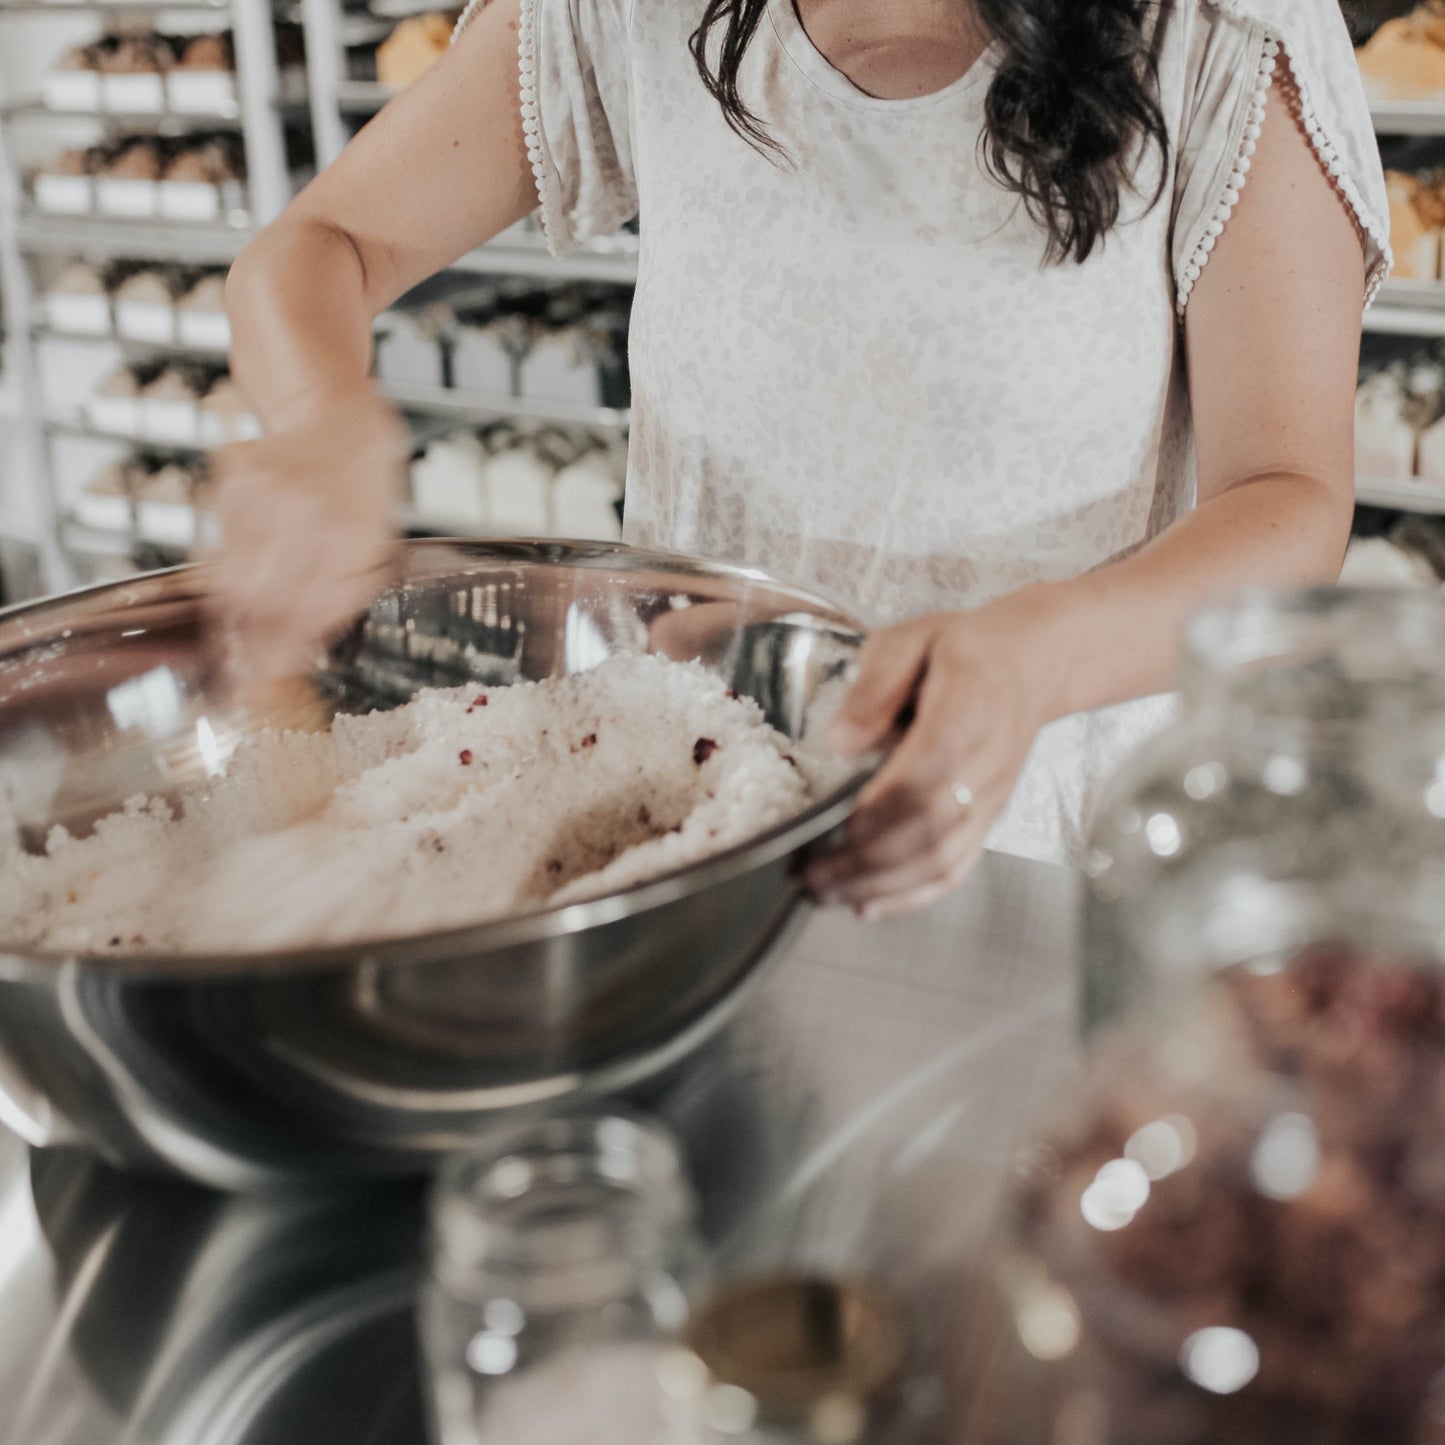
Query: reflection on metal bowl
column 242, row 1068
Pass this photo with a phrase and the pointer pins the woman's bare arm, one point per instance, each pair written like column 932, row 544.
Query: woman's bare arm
column 307, row 513
column 1272, row 338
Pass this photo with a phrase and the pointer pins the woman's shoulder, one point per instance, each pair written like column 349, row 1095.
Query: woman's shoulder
column 1316, row 23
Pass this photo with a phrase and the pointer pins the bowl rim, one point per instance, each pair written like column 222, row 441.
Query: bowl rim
column 516, row 930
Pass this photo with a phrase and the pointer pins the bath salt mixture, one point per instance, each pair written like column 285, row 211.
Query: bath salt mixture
column 462, row 806
column 608, row 1394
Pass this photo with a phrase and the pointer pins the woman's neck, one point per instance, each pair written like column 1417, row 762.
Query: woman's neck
column 895, row 49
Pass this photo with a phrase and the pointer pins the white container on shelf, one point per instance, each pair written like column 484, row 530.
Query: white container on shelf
column 219, row 429
column 560, row 367
column 408, row 352
column 148, row 321
column 64, row 195
column 190, row 200
column 172, row 524
column 119, row 414
column 202, row 92
column 126, row 197
column 77, row 314
column 141, row 93
column 205, row 330
column 480, row 362
column 449, row 483
column 1432, row 454
column 71, row 90
column 169, row 419
column 585, row 497
column 519, row 485
column 104, row 512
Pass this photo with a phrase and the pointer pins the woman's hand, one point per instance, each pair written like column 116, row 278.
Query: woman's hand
column 978, row 686
column 307, row 521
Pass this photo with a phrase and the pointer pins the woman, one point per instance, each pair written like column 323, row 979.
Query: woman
column 1023, row 325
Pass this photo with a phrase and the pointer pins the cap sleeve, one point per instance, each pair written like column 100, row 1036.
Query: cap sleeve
column 1243, row 48
column 577, row 114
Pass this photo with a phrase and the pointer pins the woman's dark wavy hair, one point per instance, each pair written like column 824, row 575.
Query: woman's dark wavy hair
column 1072, row 112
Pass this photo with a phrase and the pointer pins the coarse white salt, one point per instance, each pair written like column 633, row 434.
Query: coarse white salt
column 463, row 806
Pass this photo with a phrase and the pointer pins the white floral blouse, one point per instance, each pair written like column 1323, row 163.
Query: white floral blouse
column 853, row 369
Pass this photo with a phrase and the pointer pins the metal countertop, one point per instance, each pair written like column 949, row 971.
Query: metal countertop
column 858, row 1116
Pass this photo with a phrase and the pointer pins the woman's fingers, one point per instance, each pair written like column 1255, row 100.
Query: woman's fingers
column 889, row 669
column 922, row 822
column 306, row 535
column 890, row 895
column 287, row 642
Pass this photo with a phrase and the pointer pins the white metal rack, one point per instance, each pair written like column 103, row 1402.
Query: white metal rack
column 1406, row 308
column 258, row 116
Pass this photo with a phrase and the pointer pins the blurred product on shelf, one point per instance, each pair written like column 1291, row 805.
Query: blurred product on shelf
column 226, row 415
column 73, row 81
column 158, row 305
column 114, row 406
column 1405, row 58
column 587, row 495
column 182, row 404
column 191, row 178
column 415, row 43
column 147, row 73
column 487, row 353
column 145, row 306
column 1396, row 408
column 409, row 346
column 78, row 301
column 567, row 347
column 202, row 180
column 145, row 495
column 170, row 405
column 1409, row 553
column 204, row 78
column 524, row 482
column 1379, row 562
column 1417, row 222
column 201, row 318
column 64, row 184
column 132, row 73
column 449, row 482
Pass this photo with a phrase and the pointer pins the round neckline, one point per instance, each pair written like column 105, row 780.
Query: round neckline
column 798, row 44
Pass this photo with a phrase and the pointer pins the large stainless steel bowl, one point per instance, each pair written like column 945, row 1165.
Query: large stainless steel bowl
column 247, row 1067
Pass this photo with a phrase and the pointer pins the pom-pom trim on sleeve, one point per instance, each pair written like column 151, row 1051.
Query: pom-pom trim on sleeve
column 1297, row 95
column 543, row 176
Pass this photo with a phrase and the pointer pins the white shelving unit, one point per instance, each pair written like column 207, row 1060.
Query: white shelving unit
column 27, row 235
column 1409, row 117
column 1414, row 495
column 1406, row 308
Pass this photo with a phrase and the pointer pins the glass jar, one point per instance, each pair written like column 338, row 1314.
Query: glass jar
column 562, row 1259
column 1235, row 1231
column 1300, row 796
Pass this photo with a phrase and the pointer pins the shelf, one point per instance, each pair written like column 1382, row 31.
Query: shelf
column 362, row 29
column 88, row 535
column 619, row 267
column 465, row 406
column 75, row 426
column 112, row 7
column 363, row 97
column 1408, row 308
column 1412, row 495
column 161, row 120
column 133, row 346
column 187, row 243
column 1409, row 117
